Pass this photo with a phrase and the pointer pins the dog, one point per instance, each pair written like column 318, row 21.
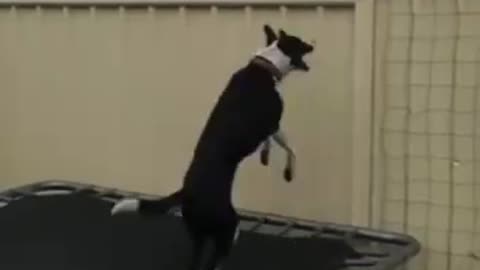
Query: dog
column 245, row 117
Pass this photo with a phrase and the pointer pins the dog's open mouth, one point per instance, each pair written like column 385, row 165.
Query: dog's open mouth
column 303, row 66
column 299, row 63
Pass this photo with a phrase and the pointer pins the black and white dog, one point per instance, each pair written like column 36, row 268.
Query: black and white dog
column 246, row 115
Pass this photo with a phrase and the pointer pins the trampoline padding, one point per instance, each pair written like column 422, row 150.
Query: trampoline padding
column 76, row 232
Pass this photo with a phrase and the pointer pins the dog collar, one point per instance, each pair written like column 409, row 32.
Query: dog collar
column 259, row 60
column 276, row 57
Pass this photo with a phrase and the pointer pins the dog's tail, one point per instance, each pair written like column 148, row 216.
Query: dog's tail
column 161, row 206
column 148, row 207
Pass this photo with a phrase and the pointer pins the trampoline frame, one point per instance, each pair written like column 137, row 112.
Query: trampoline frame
column 373, row 244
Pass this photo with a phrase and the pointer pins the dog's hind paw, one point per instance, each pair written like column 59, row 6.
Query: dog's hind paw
column 125, row 206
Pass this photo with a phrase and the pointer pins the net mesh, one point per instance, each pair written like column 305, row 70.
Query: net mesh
column 430, row 131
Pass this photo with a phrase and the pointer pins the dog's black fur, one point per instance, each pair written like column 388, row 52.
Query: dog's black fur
column 248, row 111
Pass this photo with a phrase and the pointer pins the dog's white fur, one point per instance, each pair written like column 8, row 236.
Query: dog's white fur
column 125, row 206
column 273, row 54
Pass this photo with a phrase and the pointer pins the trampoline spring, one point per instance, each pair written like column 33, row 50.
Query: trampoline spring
column 372, row 250
column 110, row 196
column 108, row 193
column 285, row 231
column 49, row 186
column 318, row 232
column 85, row 191
column 350, row 234
column 5, row 199
column 305, row 227
column 360, row 262
column 374, row 254
column 3, row 203
column 17, row 194
column 84, row 187
column 257, row 225
column 52, row 189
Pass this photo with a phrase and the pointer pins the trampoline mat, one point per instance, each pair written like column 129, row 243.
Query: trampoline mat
column 76, row 232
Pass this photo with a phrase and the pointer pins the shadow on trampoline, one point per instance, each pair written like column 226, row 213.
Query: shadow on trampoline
column 76, row 232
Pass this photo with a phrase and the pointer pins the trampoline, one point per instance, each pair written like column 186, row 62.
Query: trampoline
column 67, row 226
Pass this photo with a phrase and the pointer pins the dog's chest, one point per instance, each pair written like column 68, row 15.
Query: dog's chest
column 266, row 101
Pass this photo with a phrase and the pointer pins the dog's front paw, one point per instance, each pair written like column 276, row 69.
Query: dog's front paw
column 125, row 206
column 264, row 157
column 288, row 174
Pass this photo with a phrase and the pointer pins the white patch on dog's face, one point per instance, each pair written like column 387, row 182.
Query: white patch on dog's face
column 276, row 57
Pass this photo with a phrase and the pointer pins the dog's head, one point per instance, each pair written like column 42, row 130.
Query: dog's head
column 293, row 47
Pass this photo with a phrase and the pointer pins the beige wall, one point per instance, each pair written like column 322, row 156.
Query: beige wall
column 118, row 98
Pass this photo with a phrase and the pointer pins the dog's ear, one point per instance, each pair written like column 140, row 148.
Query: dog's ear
column 271, row 36
column 282, row 33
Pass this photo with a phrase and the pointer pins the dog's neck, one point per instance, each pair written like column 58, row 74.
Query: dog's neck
column 266, row 64
column 274, row 60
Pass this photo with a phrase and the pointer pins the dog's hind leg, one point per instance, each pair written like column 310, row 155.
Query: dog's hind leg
column 198, row 246
column 223, row 243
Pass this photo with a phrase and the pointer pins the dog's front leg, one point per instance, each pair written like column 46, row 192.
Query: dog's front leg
column 280, row 138
column 265, row 152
